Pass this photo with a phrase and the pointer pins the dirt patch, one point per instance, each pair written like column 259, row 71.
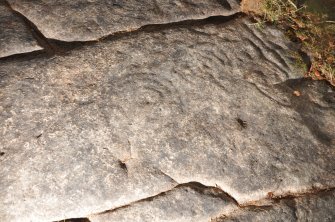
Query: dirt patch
column 253, row 6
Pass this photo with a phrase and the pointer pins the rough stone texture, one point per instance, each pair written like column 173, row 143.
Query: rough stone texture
column 314, row 208
column 82, row 20
column 15, row 36
column 126, row 119
column 180, row 204
column 185, row 204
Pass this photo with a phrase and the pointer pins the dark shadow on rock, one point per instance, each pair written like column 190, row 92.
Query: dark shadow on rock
column 75, row 220
column 310, row 110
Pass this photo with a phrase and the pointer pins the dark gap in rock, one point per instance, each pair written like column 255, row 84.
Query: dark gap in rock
column 26, row 56
column 190, row 23
column 123, row 165
column 63, row 47
column 306, row 59
column 216, row 191
column 257, row 208
column 83, row 219
column 66, row 46
column 242, row 123
column 54, row 46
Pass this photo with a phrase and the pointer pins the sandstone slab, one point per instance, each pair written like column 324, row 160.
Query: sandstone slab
column 82, row 20
column 15, row 36
column 125, row 119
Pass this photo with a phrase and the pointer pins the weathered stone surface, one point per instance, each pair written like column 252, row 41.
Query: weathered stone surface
column 122, row 120
column 308, row 208
column 77, row 182
column 15, row 36
column 82, row 20
column 185, row 203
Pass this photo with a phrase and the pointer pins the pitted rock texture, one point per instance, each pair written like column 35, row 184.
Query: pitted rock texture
column 83, row 20
column 15, row 35
column 116, row 122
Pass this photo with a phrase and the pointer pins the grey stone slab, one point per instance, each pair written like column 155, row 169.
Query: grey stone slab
column 184, row 204
column 15, row 36
column 82, row 20
column 314, row 208
column 75, row 183
column 122, row 120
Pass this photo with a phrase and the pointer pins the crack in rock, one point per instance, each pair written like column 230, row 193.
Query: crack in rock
column 15, row 36
column 75, row 220
column 184, row 196
column 90, row 20
column 175, row 93
column 318, row 206
column 38, row 36
column 59, row 47
column 192, row 201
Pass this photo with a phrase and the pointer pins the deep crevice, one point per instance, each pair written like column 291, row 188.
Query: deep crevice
column 219, row 19
column 83, row 219
column 26, row 56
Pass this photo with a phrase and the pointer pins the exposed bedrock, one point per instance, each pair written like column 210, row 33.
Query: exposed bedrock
column 113, row 123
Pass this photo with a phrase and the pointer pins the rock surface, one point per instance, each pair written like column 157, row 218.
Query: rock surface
column 82, row 20
column 309, row 208
column 184, row 203
column 140, row 119
column 15, row 36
